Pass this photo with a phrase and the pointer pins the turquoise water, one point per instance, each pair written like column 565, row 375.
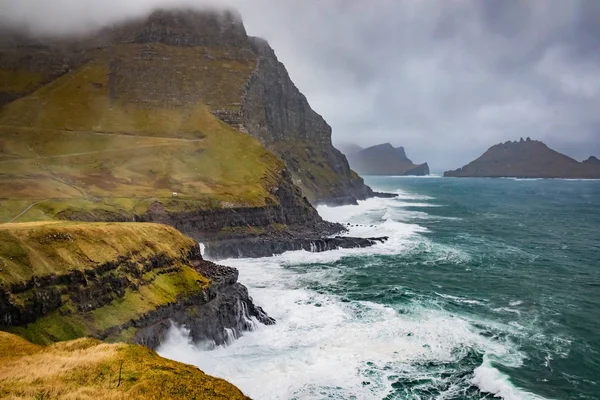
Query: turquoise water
column 486, row 288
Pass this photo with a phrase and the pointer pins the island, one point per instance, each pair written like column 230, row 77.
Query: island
column 527, row 159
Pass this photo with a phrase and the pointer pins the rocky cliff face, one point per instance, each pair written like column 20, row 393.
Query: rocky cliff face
column 181, row 87
column 384, row 159
column 279, row 115
column 526, row 159
column 117, row 282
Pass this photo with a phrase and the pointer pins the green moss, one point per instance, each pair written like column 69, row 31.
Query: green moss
column 164, row 289
column 52, row 328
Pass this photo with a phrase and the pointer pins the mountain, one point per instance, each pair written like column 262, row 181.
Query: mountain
column 527, row 159
column 349, row 148
column 384, row 159
column 177, row 118
column 592, row 161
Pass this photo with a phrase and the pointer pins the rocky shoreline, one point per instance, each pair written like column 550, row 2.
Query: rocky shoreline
column 100, row 300
column 221, row 313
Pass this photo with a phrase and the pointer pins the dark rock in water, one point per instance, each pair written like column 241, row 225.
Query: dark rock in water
column 527, row 159
column 264, row 247
column 385, row 195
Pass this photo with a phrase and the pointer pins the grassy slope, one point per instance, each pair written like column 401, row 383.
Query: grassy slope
column 89, row 369
column 42, row 249
column 107, row 137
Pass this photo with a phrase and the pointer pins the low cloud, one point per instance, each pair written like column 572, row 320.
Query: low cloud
column 445, row 79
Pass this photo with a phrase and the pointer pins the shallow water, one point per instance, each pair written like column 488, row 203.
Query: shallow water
column 486, row 288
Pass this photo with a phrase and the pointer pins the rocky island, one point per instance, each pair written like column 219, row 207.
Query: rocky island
column 383, row 159
column 119, row 153
column 527, row 159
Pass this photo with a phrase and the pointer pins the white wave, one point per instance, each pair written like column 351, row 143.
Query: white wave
column 515, row 303
column 489, row 380
column 324, row 347
column 461, row 299
column 506, row 310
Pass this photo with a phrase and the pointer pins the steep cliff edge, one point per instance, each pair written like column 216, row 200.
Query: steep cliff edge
column 146, row 121
column 384, row 159
column 90, row 369
column 117, row 282
column 527, row 159
column 278, row 114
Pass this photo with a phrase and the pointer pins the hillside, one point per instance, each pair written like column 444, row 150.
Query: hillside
column 116, row 282
column 142, row 122
column 384, row 159
column 526, row 159
column 90, row 369
column 178, row 75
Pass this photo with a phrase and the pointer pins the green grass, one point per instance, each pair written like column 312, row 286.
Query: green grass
column 42, row 249
column 38, row 249
column 75, row 145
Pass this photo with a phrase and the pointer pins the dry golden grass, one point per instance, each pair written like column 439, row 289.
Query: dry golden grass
column 38, row 249
column 89, row 369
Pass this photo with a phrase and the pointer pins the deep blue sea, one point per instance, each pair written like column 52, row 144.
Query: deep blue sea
column 487, row 288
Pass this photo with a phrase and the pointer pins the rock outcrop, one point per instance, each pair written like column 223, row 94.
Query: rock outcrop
column 117, row 282
column 279, row 115
column 527, row 159
column 384, row 159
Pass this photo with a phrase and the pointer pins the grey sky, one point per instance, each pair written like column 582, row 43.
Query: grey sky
column 446, row 79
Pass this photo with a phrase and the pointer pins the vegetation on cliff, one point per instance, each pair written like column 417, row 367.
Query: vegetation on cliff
column 77, row 144
column 90, row 369
column 61, row 281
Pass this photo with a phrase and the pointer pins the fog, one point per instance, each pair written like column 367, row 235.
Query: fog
column 445, row 79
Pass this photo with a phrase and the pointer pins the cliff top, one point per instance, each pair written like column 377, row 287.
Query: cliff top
column 88, row 368
column 41, row 249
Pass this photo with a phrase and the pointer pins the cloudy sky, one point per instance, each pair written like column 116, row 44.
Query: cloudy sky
column 444, row 78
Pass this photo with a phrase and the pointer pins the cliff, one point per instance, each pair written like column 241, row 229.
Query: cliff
column 274, row 111
column 149, row 121
column 89, row 369
column 384, row 159
column 116, row 282
column 159, row 69
column 526, row 159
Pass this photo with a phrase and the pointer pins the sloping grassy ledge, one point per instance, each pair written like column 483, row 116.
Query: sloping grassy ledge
column 89, row 369
column 62, row 281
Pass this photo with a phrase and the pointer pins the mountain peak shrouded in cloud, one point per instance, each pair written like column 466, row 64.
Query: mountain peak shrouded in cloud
column 445, row 79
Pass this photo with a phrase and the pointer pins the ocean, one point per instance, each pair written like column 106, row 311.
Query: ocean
column 486, row 288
